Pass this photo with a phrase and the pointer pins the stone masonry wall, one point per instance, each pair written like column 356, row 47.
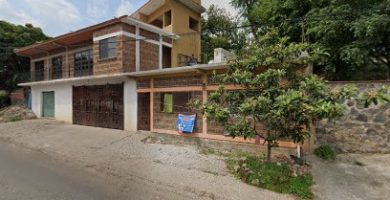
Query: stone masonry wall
column 361, row 130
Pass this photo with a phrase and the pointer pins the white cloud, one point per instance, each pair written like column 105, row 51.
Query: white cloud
column 222, row 4
column 16, row 15
column 60, row 10
column 97, row 8
column 125, row 8
column 57, row 16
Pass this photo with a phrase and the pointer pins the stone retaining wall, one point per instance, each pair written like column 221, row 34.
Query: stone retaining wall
column 361, row 130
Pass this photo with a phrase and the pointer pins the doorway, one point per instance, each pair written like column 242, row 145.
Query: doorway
column 48, row 104
column 144, row 111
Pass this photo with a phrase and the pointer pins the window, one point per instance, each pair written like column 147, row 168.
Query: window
column 56, row 72
column 107, row 48
column 194, row 24
column 168, row 18
column 39, row 71
column 83, row 63
column 175, row 102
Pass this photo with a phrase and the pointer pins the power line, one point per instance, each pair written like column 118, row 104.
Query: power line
column 255, row 25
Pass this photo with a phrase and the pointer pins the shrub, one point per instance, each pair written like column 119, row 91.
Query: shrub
column 325, row 152
column 277, row 177
column 3, row 98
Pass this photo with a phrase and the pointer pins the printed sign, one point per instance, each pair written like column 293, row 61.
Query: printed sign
column 186, row 123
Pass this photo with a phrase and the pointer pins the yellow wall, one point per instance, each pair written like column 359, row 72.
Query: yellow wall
column 190, row 41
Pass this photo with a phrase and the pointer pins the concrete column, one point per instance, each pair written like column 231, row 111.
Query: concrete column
column 130, row 99
column 160, row 55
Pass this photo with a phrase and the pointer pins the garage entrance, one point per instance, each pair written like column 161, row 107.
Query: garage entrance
column 99, row 106
column 48, row 104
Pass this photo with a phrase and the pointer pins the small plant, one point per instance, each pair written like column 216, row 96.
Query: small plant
column 278, row 177
column 325, row 152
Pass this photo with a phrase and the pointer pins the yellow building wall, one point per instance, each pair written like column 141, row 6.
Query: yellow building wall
column 189, row 42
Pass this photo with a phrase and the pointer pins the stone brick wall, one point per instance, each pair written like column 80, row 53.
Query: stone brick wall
column 128, row 59
column 149, row 56
column 361, row 130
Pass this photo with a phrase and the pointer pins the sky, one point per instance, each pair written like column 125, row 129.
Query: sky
column 57, row 17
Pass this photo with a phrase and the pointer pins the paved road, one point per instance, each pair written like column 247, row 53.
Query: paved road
column 30, row 175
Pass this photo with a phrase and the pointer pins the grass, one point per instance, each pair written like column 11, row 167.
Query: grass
column 272, row 176
column 325, row 152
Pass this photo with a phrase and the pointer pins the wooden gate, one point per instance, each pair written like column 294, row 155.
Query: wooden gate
column 99, row 106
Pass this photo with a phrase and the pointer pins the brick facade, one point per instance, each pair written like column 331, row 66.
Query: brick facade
column 149, row 56
column 125, row 60
column 178, row 81
column 129, row 54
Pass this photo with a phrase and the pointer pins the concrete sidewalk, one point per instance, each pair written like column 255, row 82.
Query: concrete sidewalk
column 352, row 177
column 136, row 162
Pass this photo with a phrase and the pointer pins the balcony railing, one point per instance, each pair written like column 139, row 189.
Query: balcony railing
column 54, row 74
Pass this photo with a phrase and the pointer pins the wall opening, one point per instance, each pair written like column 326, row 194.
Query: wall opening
column 158, row 22
column 194, row 24
column 168, row 18
column 167, row 57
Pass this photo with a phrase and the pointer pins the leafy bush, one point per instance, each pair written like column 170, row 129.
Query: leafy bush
column 3, row 98
column 325, row 152
column 272, row 176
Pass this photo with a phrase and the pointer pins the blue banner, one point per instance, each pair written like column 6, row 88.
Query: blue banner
column 186, row 123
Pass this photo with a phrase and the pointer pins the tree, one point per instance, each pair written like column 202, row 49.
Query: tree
column 278, row 94
column 219, row 31
column 13, row 68
column 350, row 38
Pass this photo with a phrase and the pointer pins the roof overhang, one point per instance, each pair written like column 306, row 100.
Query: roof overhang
column 152, row 5
column 148, row 27
column 194, row 6
column 81, row 36
column 152, row 73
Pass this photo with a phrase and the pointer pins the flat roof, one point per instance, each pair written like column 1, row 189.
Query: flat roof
column 142, row 74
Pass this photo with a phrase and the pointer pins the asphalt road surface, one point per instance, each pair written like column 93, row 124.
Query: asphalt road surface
column 28, row 175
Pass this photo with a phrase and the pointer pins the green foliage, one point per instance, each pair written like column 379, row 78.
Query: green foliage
column 348, row 40
column 376, row 96
column 218, row 31
column 325, row 152
column 282, row 98
column 276, row 177
column 3, row 98
column 13, row 68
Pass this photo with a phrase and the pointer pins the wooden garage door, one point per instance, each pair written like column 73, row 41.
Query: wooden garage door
column 99, row 106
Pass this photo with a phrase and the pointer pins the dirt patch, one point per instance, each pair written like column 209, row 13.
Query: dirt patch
column 16, row 113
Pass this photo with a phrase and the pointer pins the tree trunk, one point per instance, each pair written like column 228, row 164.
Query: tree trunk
column 269, row 147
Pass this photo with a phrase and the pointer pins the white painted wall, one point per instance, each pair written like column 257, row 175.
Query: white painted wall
column 63, row 98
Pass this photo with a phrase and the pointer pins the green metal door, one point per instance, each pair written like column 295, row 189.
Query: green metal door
column 48, row 104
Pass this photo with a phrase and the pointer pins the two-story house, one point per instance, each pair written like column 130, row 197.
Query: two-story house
column 134, row 72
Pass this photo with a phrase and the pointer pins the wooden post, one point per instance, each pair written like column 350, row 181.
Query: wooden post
column 204, row 100
column 151, row 104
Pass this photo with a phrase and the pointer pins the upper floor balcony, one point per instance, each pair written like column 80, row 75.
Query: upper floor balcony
column 117, row 46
